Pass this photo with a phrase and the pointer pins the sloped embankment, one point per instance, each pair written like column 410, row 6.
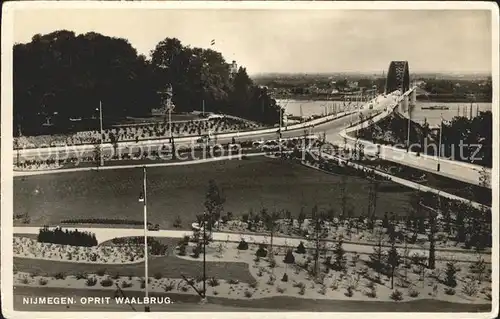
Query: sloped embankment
column 393, row 130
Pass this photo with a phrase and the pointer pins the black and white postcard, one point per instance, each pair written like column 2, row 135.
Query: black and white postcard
column 237, row 158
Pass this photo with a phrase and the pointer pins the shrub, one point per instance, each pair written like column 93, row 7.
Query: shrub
column 261, row 252
column 196, row 251
column 302, row 290
column 91, row 281
column 169, row 286
column 248, row 293
column 60, row 275
column 322, row 290
column 470, row 288
column 182, row 250
column 101, row 272
column 72, row 238
column 289, row 258
column 413, row 293
column 243, row 245
column 213, row 282
column 370, row 284
column 451, row 270
column 372, row 293
column 397, row 295
column 215, row 292
column 126, row 284
column 299, row 284
column 334, row 285
column 143, row 284
column 449, row 291
column 280, row 289
column 81, row 275
column 301, row 249
column 158, row 276
column 349, row 292
column 271, row 280
column 42, row 281
column 116, row 275
column 272, row 262
column 25, row 280
column 107, row 282
column 285, row 278
column 178, row 222
column 254, row 284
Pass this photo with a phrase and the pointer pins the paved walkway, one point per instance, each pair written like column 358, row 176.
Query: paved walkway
column 105, row 234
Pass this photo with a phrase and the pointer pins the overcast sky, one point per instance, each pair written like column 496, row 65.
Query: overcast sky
column 293, row 41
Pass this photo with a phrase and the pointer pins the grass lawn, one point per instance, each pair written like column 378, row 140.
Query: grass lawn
column 247, row 184
column 169, row 266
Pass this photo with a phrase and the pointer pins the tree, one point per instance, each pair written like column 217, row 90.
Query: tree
column 120, row 78
column 178, row 222
column 270, row 221
column 301, row 217
column 214, row 202
column 301, row 249
column 393, row 260
column 377, row 256
column 320, row 232
column 340, row 261
column 451, row 271
column 343, row 196
column 97, row 153
column 432, row 240
column 289, row 258
column 61, row 68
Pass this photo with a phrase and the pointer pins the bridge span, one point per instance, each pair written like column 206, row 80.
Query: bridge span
column 402, row 99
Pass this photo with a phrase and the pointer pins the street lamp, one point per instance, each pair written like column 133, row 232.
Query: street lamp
column 440, row 141
column 204, row 256
column 101, row 134
column 143, row 198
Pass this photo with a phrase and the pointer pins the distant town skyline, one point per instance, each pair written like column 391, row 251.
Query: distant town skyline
column 293, row 41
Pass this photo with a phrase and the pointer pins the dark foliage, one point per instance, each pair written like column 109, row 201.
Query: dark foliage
column 73, row 238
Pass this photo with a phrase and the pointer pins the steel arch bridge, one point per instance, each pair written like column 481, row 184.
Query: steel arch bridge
column 398, row 77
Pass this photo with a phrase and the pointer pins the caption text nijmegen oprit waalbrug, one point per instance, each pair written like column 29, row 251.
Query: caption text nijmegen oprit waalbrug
column 96, row 300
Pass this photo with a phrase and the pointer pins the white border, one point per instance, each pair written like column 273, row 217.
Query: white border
column 6, row 142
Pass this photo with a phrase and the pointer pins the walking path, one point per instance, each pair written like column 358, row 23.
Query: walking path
column 105, row 234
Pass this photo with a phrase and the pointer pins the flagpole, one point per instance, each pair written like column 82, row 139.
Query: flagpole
column 146, row 309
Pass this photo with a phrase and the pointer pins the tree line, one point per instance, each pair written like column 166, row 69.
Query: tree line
column 64, row 76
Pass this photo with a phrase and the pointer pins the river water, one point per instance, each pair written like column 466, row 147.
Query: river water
column 308, row 108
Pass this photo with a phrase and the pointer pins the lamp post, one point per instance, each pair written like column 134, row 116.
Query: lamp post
column 144, row 200
column 440, row 141
column 204, row 257
column 101, row 134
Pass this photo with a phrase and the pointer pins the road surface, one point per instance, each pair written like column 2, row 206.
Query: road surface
column 332, row 128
